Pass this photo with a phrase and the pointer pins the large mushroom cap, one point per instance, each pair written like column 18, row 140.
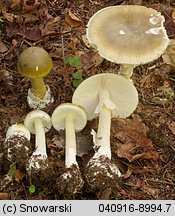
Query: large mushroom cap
column 122, row 93
column 34, row 62
column 128, row 34
column 67, row 109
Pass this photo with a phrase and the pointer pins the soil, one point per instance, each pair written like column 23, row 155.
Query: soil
column 143, row 145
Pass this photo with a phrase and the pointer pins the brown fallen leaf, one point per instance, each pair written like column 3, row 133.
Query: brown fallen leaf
column 131, row 140
column 43, row 14
column 89, row 59
column 30, row 5
column 30, row 19
column 140, row 170
column 8, row 77
column 150, row 191
column 33, row 34
column 130, row 124
column 135, row 146
column 14, row 42
column 173, row 15
column 128, row 173
column 3, row 47
column 56, row 146
column 171, row 126
column 141, row 188
column 72, row 20
column 104, row 195
column 52, row 27
column 11, row 4
column 15, row 4
column 97, row 59
column 18, row 176
column 4, row 196
column 86, row 59
column 8, row 16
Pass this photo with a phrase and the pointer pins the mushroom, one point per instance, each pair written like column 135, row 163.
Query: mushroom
column 38, row 122
column 129, row 35
column 17, row 145
column 72, row 118
column 107, row 96
column 35, row 63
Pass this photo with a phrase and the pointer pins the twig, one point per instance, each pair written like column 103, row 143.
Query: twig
column 62, row 43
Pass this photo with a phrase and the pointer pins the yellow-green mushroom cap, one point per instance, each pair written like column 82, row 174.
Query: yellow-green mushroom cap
column 34, row 62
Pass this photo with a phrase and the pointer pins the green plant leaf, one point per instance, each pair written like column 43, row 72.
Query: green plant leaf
column 12, row 169
column 73, row 61
column 77, row 75
column 32, row 189
column 77, row 82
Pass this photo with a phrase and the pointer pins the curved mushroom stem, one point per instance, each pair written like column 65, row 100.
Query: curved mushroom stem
column 70, row 142
column 38, row 87
column 40, row 140
column 126, row 70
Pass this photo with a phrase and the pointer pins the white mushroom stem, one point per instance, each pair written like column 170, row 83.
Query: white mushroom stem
column 103, row 134
column 70, row 142
column 126, row 70
column 40, row 141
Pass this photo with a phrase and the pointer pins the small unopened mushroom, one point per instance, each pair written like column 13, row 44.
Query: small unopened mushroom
column 17, row 145
column 72, row 118
column 129, row 35
column 35, row 63
column 107, row 96
column 38, row 122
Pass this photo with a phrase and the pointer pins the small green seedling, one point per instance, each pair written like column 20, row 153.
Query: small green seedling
column 32, row 189
column 73, row 61
column 12, row 169
column 77, row 78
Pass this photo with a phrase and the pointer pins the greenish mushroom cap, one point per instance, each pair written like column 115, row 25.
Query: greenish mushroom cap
column 128, row 34
column 34, row 62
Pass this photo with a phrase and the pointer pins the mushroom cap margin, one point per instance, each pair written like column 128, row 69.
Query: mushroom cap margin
column 18, row 129
column 62, row 111
column 37, row 114
column 122, row 93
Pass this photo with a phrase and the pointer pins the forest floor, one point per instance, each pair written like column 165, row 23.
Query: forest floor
column 143, row 145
